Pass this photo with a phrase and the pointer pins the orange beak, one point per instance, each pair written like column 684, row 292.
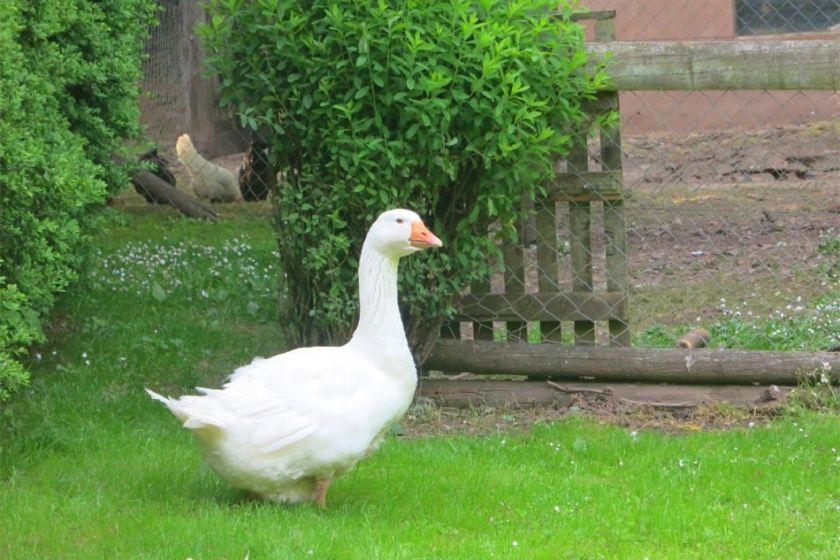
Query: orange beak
column 422, row 238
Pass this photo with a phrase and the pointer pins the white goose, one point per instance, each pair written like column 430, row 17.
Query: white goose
column 284, row 427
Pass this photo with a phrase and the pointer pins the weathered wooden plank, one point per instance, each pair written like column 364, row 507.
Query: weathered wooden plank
column 467, row 394
column 542, row 306
column 616, row 266
column 615, row 230
column 479, row 392
column 580, row 239
column 605, row 29
column 607, row 363
column 601, row 104
column 721, row 65
column 673, row 396
column 586, row 185
column 548, row 280
column 594, row 15
column 517, row 329
column 482, row 330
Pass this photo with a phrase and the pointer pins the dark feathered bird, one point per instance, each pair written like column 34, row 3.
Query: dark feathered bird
column 158, row 166
column 256, row 176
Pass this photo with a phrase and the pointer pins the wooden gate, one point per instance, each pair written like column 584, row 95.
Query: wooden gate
column 580, row 219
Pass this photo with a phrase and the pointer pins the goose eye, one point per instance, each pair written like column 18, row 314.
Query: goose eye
column 400, row 221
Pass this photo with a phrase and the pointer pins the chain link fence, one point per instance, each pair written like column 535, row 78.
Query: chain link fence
column 713, row 209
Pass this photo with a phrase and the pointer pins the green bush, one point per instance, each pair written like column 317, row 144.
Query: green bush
column 455, row 109
column 91, row 52
column 68, row 75
column 19, row 327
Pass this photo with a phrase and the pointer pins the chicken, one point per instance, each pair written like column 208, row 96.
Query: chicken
column 207, row 180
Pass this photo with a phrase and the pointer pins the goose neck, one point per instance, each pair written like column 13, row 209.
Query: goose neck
column 379, row 315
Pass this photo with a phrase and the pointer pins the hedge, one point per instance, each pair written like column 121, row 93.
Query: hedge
column 69, row 74
column 456, row 109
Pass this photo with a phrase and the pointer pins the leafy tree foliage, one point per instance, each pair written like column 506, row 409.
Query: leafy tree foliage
column 69, row 71
column 456, row 109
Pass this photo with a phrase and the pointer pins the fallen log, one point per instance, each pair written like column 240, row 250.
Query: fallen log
column 145, row 180
column 659, row 365
column 525, row 394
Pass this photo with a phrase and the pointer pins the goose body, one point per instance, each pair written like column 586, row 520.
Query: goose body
column 285, row 426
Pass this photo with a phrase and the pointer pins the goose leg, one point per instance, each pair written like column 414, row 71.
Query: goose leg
column 321, row 486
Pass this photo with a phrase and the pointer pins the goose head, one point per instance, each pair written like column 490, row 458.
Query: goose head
column 397, row 233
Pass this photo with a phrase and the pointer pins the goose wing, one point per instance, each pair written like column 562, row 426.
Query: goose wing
column 279, row 401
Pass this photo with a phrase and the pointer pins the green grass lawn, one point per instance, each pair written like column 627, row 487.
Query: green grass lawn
column 92, row 468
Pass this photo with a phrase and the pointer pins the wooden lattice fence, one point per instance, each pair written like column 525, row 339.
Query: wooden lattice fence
column 534, row 297
column 542, row 288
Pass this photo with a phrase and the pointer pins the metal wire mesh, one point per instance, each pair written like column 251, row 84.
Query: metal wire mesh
column 177, row 98
column 728, row 199
column 757, row 17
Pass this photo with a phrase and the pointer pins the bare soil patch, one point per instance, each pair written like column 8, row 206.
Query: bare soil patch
column 748, row 203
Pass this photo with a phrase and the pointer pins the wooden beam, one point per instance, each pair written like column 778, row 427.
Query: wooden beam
column 615, row 230
column 586, row 185
column 589, row 16
column 514, row 277
column 633, row 364
column 468, row 394
column 604, row 102
column 721, row 65
column 580, row 238
column 548, row 279
column 543, row 306
column 524, row 394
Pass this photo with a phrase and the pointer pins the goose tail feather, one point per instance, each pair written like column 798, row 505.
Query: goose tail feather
column 190, row 413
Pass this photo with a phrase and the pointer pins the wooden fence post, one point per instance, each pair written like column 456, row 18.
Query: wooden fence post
column 615, row 224
column 580, row 239
column 547, row 262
